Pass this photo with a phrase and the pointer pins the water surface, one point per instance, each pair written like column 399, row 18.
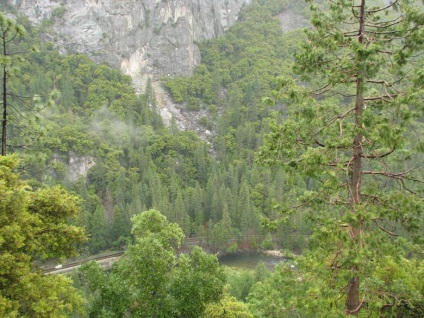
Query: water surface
column 249, row 260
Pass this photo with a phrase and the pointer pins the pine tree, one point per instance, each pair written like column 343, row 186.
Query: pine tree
column 180, row 213
column 348, row 132
column 99, row 230
column 10, row 34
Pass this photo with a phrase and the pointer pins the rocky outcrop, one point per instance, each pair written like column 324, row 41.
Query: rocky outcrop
column 79, row 166
column 290, row 20
column 152, row 37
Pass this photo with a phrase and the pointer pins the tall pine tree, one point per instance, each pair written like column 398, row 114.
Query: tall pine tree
column 10, row 34
column 354, row 132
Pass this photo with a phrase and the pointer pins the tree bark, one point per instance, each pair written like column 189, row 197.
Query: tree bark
column 4, row 119
column 352, row 302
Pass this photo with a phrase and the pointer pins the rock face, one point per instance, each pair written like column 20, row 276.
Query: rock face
column 151, row 37
column 79, row 166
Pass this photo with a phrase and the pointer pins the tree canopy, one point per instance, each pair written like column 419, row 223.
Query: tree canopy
column 150, row 280
column 33, row 227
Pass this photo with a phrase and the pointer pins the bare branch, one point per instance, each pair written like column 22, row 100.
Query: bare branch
column 405, row 188
column 379, row 156
column 358, row 308
column 377, row 82
column 334, row 119
column 382, row 9
column 389, row 174
column 381, row 97
column 321, row 90
column 383, row 229
column 319, row 143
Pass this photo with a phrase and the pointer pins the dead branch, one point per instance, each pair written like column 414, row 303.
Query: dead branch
column 334, row 119
column 389, row 174
column 383, row 229
column 382, row 9
column 379, row 156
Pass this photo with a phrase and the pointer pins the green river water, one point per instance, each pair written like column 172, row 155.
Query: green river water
column 249, row 260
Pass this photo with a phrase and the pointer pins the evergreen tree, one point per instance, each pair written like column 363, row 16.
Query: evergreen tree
column 155, row 187
column 181, row 217
column 99, row 230
column 349, row 131
column 244, row 216
column 223, row 231
column 10, row 34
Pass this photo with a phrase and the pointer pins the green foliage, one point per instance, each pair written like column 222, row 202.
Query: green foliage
column 240, row 283
column 346, row 133
column 150, row 280
column 205, row 122
column 90, row 113
column 33, row 227
column 282, row 294
column 237, row 71
column 198, row 280
column 295, row 290
column 228, row 307
column 261, row 272
column 95, row 121
column 267, row 243
column 178, row 88
column 152, row 223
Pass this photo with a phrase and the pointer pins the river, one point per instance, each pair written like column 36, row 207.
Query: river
column 249, row 260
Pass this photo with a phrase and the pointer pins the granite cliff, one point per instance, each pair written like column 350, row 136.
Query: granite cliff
column 148, row 37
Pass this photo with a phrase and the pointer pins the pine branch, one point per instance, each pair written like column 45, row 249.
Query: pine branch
column 381, row 97
column 383, row 25
column 383, row 229
column 334, row 119
column 382, row 9
column 379, row 156
column 389, row 174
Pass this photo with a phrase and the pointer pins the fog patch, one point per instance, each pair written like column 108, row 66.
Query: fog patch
column 108, row 128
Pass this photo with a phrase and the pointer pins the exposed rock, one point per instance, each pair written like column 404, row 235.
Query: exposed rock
column 184, row 119
column 79, row 165
column 154, row 37
column 275, row 253
column 291, row 20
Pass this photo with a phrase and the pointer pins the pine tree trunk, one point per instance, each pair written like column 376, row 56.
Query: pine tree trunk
column 352, row 302
column 4, row 121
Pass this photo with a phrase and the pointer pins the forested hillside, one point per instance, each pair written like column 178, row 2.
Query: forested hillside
column 315, row 147
column 81, row 125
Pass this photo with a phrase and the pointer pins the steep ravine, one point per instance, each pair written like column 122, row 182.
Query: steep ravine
column 184, row 119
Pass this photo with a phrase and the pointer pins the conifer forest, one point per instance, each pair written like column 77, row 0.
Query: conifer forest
column 306, row 141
